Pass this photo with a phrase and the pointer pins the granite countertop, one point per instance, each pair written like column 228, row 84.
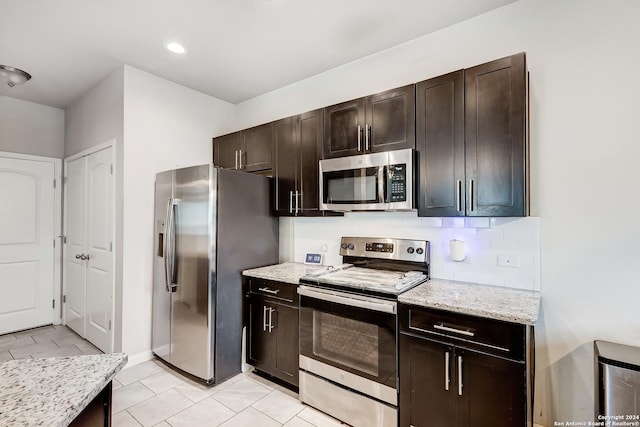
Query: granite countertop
column 288, row 272
column 493, row 302
column 53, row 391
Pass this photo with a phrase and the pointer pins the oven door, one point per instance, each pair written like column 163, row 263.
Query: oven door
column 349, row 339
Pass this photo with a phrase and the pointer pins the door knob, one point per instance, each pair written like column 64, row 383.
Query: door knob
column 78, row 256
column 82, row 256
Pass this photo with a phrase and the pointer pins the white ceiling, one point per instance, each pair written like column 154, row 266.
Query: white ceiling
column 238, row 49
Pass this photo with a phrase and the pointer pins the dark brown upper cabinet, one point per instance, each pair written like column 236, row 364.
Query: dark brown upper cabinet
column 380, row 122
column 297, row 143
column 471, row 139
column 440, row 143
column 248, row 150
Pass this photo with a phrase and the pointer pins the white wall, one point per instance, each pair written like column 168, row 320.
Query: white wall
column 29, row 128
column 97, row 116
column 582, row 55
column 166, row 126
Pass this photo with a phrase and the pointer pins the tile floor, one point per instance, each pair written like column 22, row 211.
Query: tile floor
column 151, row 394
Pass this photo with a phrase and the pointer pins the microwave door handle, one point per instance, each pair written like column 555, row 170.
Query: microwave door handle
column 382, row 179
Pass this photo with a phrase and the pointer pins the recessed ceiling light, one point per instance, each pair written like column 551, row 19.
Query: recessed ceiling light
column 177, row 48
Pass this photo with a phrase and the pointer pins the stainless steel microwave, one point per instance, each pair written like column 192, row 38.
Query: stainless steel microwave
column 376, row 181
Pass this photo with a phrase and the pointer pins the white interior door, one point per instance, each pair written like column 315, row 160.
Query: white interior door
column 99, row 288
column 74, row 226
column 89, row 229
column 27, row 233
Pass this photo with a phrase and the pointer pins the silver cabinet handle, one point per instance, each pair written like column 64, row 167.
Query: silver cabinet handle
column 447, row 378
column 442, row 327
column 367, row 134
column 236, row 152
column 264, row 317
column 269, row 291
column 297, row 201
column 290, row 201
column 240, row 156
column 271, row 326
column 359, row 138
column 459, row 196
column 471, row 195
column 459, row 375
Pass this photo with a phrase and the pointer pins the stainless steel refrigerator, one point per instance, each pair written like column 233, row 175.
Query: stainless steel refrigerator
column 210, row 224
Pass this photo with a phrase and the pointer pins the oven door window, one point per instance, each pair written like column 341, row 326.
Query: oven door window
column 354, row 186
column 353, row 339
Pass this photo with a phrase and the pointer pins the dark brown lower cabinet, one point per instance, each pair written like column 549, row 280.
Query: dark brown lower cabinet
column 450, row 381
column 272, row 329
column 97, row 413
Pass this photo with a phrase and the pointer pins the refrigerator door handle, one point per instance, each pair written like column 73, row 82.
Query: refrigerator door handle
column 167, row 242
column 171, row 250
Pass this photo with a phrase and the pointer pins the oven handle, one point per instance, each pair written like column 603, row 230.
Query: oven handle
column 350, row 300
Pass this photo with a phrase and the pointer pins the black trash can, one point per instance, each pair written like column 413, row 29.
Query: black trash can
column 617, row 374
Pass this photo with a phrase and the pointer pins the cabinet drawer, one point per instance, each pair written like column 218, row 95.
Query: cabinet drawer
column 487, row 335
column 273, row 289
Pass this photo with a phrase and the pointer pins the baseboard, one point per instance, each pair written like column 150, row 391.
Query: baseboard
column 136, row 359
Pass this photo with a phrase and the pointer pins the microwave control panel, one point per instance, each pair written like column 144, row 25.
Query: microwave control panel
column 397, row 183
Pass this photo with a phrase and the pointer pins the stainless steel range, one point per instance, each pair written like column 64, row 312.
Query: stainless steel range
column 348, row 328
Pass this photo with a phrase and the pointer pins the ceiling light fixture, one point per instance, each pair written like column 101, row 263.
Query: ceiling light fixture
column 177, row 48
column 12, row 76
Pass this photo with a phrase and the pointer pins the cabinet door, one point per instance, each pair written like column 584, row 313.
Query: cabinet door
column 427, row 395
column 226, row 150
column 286, row 164
column 493, row 391
column 310, row 134
column 257, row 333
column 390, row 120
column 440, row 145
column 495, row 137
column 344, row 129
column 285, row 343
column 256, row 154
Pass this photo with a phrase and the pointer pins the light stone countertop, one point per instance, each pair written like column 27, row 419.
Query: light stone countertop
column 493, row 302
column 53, row 391
column 287, row 272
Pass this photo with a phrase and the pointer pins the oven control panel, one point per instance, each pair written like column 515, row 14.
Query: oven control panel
column 378, row 247
column 386, row 248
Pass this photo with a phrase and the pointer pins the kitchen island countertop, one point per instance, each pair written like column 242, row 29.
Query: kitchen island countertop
column 493, row 302
column 287, row 272
column 53, row 391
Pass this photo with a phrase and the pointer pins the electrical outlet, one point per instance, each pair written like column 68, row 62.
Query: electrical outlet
column 508, row 261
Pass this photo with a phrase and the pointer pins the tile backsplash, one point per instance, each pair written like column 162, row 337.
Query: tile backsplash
column 499, row 251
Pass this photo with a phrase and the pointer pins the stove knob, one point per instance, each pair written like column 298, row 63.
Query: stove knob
column 343, row 246
column 419, row 251
column 410, row 250
column 350, row 246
